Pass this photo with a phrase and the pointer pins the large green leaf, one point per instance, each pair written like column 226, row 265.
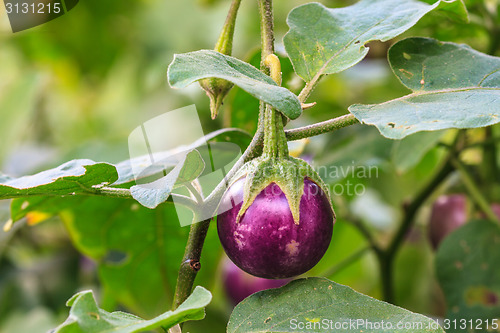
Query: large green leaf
column 157, row 181
column 468, row 270
column 73, row 177
column 320, row 305
column 454, row 87
column 190, row 67
column 326, row 41
column 86, row 317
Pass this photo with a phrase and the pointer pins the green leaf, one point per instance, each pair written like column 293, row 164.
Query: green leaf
column 454, row 87
column 126, row 168
column 86, row 316
column 190, row 67
column 314, row 305
column 86, row 176
column 468, row 270
column 326, row 41
column 408, row 152
column 154, row 193
column 73, row 177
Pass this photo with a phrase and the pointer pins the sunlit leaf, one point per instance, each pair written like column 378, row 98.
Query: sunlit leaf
column 190, row 67
column 325, row 40
column 86, row 316
column 454, row 87
column 73, row 177
column 317, row 305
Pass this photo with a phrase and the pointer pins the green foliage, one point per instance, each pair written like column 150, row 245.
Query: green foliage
column 73, row 177
column 190, row 67
column 326, row 41
column 319, row 302
column 67, row 92
column 454, row 87
column 467, row 266
column 86, row 316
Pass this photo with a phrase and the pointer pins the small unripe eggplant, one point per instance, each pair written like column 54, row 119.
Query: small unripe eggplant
column 239, row 284
column 449, row 212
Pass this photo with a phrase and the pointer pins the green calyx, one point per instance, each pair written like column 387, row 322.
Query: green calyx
column 289, row 174
column 276, row 165
column 217, row 89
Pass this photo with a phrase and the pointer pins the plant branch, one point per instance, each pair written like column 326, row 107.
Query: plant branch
column 386, row 258
column 322, row 127
column 474, row 192
column 125, row 193
column 266, row 29
column 308, row 88
column 190, row 262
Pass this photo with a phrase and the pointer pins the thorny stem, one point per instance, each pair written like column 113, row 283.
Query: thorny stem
column 191, row 260
column 320, row 128
column 266, row 29
column 275, row 142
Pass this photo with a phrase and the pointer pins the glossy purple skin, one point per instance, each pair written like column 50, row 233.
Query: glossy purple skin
column 239, row 285
column 448, row 213
column 266, row 242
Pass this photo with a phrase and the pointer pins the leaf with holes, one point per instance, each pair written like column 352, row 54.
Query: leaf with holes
column 468, row 270
column 190, row 67
column 73, row 177
column 325, row 40
column 453, row 86
column 86, row 316
column 317, row 305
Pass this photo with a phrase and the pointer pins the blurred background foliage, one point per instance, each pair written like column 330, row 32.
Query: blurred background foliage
column 77, row 86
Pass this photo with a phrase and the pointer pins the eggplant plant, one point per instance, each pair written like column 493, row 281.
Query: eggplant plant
column 283, row 211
